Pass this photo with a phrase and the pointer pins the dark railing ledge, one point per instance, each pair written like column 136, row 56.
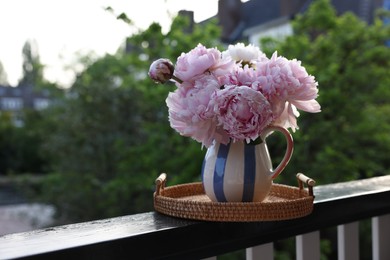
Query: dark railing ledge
column 156, row 236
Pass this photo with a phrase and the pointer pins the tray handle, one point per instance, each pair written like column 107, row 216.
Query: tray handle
column 160, row 183
column 309, row 182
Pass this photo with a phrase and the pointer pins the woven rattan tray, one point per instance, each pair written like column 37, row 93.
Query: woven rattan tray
column 190, row 201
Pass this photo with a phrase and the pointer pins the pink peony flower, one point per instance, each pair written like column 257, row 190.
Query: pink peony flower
column 303, row 94
column 288, row 118
column 196, row 62
column 283, row 80
column 275, row 78
column 242, row 112
column 190, row 113
column 241, row 77
column 236, row 94
column 161, row 70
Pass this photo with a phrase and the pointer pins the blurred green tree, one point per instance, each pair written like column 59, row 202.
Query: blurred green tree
column 32, row 71
column 32, row 66
column 349, row 139
column 3, row 75
column 110, row 138
column 20, row 146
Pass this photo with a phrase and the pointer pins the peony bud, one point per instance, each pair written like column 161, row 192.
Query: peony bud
column 161, row 70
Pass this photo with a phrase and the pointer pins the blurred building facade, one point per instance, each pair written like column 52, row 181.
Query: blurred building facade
column 14, row 100
column 254, row 19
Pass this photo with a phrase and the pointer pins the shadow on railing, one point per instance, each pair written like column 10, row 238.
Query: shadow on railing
column 156, row 236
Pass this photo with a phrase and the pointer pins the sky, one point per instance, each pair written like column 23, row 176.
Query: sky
column 63, row 29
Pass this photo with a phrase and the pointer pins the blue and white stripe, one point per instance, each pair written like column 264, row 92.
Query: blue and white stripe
column 236, row 172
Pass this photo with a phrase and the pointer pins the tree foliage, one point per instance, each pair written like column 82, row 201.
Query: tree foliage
column 20, row 146
column 349, row 139
column 3, row 75
column 111, row 137
column 32, row 66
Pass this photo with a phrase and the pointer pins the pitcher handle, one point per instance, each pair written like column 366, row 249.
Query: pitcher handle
column 289, row 149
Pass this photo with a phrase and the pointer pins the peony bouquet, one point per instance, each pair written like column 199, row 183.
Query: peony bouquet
column 235, row 94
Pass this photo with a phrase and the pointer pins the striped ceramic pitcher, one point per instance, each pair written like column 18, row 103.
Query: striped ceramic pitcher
column 240, row 172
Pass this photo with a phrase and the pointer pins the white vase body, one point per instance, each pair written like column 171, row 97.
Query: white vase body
column 240, row 172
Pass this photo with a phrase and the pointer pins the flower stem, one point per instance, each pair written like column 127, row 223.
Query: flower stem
column 177, row 79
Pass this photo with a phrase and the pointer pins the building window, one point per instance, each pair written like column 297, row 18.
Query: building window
column 17, row 119
column 41, row 103
column 11, row 103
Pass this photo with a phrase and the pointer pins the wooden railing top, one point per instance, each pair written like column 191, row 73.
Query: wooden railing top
column 155, row 236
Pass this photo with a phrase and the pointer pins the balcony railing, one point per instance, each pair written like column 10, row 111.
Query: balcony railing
column 156, row 236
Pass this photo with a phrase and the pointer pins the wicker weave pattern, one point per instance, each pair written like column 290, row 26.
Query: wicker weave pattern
column 189, row 201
